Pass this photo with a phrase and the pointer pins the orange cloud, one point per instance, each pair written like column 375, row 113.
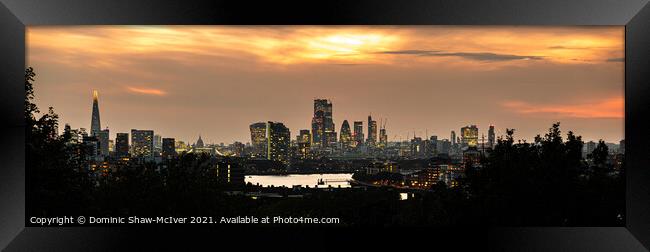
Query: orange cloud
column 612, row 108
column 106, row 46
column 147, row 91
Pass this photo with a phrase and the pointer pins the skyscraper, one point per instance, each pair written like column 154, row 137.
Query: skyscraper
column 279, row 141
column 453, row 138
column 304, row 143
column 433, row 145
column 111, row 146
column 491, row 137
column 358, row 132
column 443, row 146
column 372, row 131
column 318, row 128
column 418, row 147
column 383, row 137
column 91, row 147
column 142, row 143
column 157, row 143
column 258, row 139
column 102, row 138
column 95, row 125
column 322, row 124
column 330, row 137
column 469, row 136
column 168, row 148
column 346, row 135
column 122, row 145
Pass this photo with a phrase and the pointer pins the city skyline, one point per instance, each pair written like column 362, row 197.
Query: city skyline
column 360, row 69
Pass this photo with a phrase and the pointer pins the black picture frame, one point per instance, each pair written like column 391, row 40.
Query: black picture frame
column 15, row 15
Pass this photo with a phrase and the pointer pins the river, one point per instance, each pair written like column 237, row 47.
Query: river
column 311, row 180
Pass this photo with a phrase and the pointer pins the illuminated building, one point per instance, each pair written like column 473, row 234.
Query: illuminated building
column 258, row 139
column 157, row 143
column 449, row 174
column 491, row 137
column 111, row 146
column 228, row 171
column 322, row 124
column 142, row 143
column 471, row 157
column 383, row 138
column 122, row 145
column 318, row 129
column 391, row 166
column 418, row 147
column 100, row 167
column 200, row 147
column 469, row 136
column 385, row 166
column 304, row 143
column 168, row 148
column 372, row 131
column 358, row 133
column 279, row 140
column 330, row 137
column 95, row 125
column 91, row 147
column 102, row 138
column 181, row 147
column 203, row 150
column 453, row 138
column 433, row 145
column 443, row 146
column 346, row 135
column 424, row 179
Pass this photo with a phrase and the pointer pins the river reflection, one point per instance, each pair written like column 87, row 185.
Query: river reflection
column 311, row 180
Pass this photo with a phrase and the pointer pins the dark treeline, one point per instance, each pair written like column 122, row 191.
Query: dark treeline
column 545, row 183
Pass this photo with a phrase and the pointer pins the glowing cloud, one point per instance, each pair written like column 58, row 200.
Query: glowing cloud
column 612, row 108
column 103, row 47
column 147, row 91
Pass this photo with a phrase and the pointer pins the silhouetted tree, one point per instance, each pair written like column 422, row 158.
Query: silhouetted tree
column 56, row 184
column 600, row 153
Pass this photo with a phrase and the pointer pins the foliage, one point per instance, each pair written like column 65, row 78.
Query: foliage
column 543, row 183
column 55, row 180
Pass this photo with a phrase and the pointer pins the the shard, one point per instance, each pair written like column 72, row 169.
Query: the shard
column 95, row 125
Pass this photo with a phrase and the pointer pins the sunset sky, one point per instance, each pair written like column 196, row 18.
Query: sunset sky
column 182, row 81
